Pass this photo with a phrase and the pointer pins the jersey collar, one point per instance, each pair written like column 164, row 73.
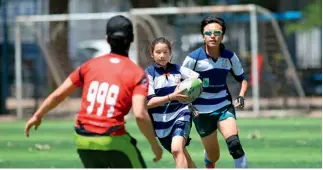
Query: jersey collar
column 168, row 67
column 208, row 56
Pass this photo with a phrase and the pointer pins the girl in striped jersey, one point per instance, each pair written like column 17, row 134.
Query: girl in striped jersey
column 172, row 119
column 216, row 111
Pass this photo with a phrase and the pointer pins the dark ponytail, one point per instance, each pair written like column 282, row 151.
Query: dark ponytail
column 120, row 44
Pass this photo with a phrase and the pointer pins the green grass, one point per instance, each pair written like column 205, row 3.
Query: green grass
column 284, row 143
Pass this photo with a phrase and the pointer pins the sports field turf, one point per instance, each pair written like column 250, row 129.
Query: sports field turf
column 277, row 143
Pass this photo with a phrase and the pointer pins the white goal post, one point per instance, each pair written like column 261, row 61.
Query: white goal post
column 252, row 9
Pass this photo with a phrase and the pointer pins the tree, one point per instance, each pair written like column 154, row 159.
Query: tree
column 59, row 37
column 143, row 41
column 312, row 18
column 143, row 3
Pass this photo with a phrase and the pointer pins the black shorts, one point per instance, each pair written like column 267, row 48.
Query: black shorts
column 109, row 152
column 106, row 159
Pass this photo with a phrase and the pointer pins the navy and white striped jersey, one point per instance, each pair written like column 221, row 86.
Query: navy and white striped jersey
column 161, row 83
column 213, row 73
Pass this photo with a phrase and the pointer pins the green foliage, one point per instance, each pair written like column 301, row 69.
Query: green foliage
column 312, row 18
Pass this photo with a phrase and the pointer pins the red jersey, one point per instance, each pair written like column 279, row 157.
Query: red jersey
column 109, row 82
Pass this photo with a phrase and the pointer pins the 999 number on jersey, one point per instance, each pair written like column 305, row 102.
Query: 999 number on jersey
column 102, row 94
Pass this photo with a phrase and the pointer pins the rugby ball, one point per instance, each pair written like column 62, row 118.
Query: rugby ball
column 193, row 88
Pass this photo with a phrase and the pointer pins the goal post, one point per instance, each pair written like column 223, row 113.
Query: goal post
column 155, row 18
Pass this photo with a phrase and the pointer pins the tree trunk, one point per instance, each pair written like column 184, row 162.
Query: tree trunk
column 143, row 40
column 58, row 33
column 143, row 3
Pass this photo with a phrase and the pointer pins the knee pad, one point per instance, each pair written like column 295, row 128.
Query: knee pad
column 235, row 147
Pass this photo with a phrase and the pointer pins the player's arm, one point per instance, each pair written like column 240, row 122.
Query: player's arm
column 142, row 118
column 155, row 101
column 74, row 80
column 50, row 102
column 159, row 101
column 238, row 74
column 240, row 99
column 56, row 97
column 244, row 87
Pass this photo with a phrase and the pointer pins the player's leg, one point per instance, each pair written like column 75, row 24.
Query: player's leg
column 228, row 127
column 180, row 133
column 205, row 125
column 88, row 158
column 212, row 149
column 177, row 149
column 134, row 154
column 114, row 159
column 173, row 145
column 190, row 162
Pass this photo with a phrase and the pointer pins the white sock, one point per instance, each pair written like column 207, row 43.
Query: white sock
column 241, row 162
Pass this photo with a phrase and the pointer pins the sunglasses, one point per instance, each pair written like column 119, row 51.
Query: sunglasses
column 215, row 32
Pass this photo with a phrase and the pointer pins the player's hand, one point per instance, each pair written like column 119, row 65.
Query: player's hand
column 239, row 102
column 177, row 95
column 158, row 151
column 33, row 121
column 193, row 109
column 201, row 82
